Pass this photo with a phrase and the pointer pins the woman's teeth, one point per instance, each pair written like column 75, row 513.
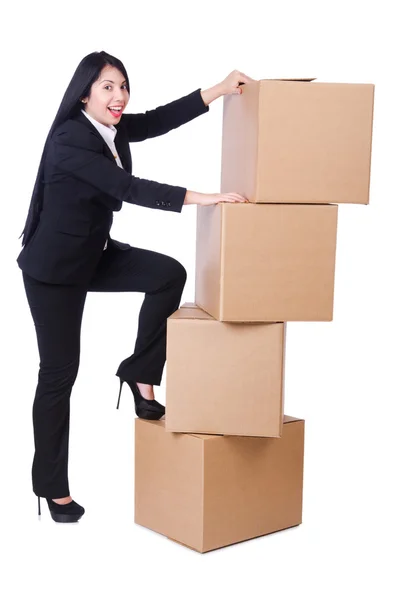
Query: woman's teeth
column 116, row 112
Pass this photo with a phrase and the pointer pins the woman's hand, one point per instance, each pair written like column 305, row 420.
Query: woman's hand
column 208, row 199
column 230, row 85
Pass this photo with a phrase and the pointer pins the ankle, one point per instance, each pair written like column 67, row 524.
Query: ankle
column 146, row 390
column 61, row 501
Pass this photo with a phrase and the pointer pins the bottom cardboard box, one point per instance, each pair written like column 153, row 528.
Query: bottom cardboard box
column 238, row 542
column 210, row 491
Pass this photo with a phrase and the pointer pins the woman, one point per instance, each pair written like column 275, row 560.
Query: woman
column 84, row 175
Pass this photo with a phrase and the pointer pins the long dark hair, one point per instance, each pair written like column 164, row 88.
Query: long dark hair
column 87, row 72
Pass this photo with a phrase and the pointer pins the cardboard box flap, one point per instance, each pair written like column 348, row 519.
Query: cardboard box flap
column 289, row 79
column 208, row 436
column 189, row 310
column 203, row 436
column 189, row 305
column 288, row 419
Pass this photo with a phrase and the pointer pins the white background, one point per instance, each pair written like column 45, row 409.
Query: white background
column 340, row 376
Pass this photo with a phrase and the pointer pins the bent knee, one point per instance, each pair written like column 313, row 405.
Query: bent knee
column 179, row 272
column 183, row 272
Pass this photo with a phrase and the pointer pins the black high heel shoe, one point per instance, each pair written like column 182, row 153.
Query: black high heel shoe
column 64, row 513
column 144, row 409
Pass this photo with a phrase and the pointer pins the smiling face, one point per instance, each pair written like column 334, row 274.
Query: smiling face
column 110, row 90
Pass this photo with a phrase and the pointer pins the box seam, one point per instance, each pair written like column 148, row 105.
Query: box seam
column 222, row 256
column 203, row 496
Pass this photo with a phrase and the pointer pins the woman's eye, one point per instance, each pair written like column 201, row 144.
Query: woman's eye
column 108, row 86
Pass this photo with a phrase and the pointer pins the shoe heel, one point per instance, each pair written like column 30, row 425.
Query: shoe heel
column 143, row 409
column 63, row 513
column 121, row 385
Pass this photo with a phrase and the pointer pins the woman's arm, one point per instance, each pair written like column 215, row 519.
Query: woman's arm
column 141, row 126
column 76, row 151
column 212, row 94
column 229, row 85
column 152, row 123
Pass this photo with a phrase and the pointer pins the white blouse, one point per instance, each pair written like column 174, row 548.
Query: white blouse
column 108, row 132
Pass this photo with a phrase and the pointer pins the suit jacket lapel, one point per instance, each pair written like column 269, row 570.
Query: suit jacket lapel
column 122, row 146
column 120, row 141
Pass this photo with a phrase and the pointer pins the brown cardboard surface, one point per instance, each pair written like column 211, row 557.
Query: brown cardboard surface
column 298, row 142
column 192, row 548
column 213, row 491
column 266, row 262
column 224, row 378
column 289, row 79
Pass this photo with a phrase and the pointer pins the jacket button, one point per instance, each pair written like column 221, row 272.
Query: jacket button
column 157, row 202
column 163, row 204
column 168, row 203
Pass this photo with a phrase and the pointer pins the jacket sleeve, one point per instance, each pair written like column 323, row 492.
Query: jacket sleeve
column 78, row 152
column 141, row 126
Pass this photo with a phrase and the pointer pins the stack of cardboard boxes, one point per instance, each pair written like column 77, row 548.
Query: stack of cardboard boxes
column 226, row 465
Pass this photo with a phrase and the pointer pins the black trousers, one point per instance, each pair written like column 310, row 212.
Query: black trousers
column 57, row 312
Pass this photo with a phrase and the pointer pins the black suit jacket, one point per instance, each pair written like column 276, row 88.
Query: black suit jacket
column 83, row 185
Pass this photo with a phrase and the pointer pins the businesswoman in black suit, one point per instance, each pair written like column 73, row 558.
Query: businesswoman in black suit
column 84, row 175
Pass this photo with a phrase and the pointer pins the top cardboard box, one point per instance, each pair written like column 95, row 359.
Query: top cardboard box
column 298, row 141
